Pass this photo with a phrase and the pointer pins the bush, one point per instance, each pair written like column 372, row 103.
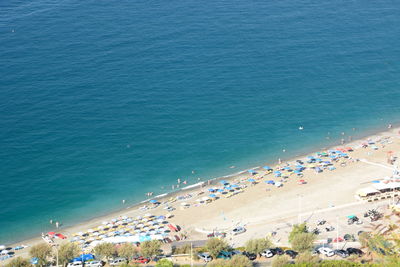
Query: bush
column 150, row 249
column 240, row 261
column 281, row 261
column 41, row 252
column 19, row 262
column 67, row 252
column 164, row 263
column 307, row 258
column 303, row 242
column 106, row 250
column 258, row 245
column 297, row 229
column 215, row 245
column 127, row 251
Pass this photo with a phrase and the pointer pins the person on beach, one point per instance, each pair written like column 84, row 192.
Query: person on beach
column 57, row 225
column 51, row 221
column 389, row 126
column 179, row 180
column 123, row 201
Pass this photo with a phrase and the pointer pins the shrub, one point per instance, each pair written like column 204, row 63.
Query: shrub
column 67, row 252
column 215, row 245
column 303, row 242
column 19, row 262
column 281, row 261
column 150, row 248
column 41, row 252
column 258, row 245
column 297, row 229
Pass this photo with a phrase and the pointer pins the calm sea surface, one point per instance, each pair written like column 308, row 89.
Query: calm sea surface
column 106, row 100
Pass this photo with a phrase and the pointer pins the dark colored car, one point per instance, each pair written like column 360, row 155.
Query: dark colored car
column 341, row 253
column 291, row 253
column 278, row 251
column 249, row 255
column 355, row 251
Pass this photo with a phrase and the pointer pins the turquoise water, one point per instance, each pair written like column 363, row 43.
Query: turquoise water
column 107, row 100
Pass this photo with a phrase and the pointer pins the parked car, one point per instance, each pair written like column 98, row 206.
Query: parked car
column 224, row 255
column 206, row 257
column 277, row 251
column 94, row 263
column 355, row 251
column 326, row 251
column 268, row 253
column 291, row 253
column 75, row 264
column 117, row 261
column 249, row 255
column 238, row 230
column 141, row 260
column 341, row 253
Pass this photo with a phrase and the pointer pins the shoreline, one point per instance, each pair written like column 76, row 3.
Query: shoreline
column 134, row 208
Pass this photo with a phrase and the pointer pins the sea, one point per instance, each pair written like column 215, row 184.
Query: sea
column 104, row 101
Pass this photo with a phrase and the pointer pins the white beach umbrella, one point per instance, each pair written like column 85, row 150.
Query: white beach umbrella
column 104, row 223
column 2, row 247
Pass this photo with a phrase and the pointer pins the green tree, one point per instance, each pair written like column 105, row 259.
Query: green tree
column 281, row 261
column 41, row 252
column 150, row 248
column 215, row 245
column 218, row 263
column 303, row 242
column 164, row 263
column 307, row 258
column 258, row 245
column 127, row 251
column 68, row 251
column 298, row 229
column 19, row 262
column 105, row 250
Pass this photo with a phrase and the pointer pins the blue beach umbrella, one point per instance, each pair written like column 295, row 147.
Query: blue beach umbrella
column 220, row 190
column 212, row 195
column 153, row 201
column 267, row 168
column 223, row 182
column 234, row 186
column 376, row 182
column 270, row 182
column 252, row 171
column 251, row 180
column 211, row 189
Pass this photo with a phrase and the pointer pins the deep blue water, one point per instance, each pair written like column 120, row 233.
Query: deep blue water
column 106, row 100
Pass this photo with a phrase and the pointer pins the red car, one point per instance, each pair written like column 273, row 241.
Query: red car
column 141, row 260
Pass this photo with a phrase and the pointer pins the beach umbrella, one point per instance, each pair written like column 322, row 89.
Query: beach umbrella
column 252, row 172
column 220, row 190
column 212, row 195
column 251, row 180
column 278, row 184
column 211, row 189
column 223, row 182
column 153, row 201
column 267, row 168
column 234, row 186
column 270, row 182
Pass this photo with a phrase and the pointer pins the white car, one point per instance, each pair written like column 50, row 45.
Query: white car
column 93, row 264
column 267, row 253
column 117, row 261
column 205, row 257
column 75, row 264
column 326, row 251
column 238, row 230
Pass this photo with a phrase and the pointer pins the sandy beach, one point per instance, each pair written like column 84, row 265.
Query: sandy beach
column 261, row 207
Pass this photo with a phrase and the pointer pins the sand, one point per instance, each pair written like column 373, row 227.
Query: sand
column 258, row 209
